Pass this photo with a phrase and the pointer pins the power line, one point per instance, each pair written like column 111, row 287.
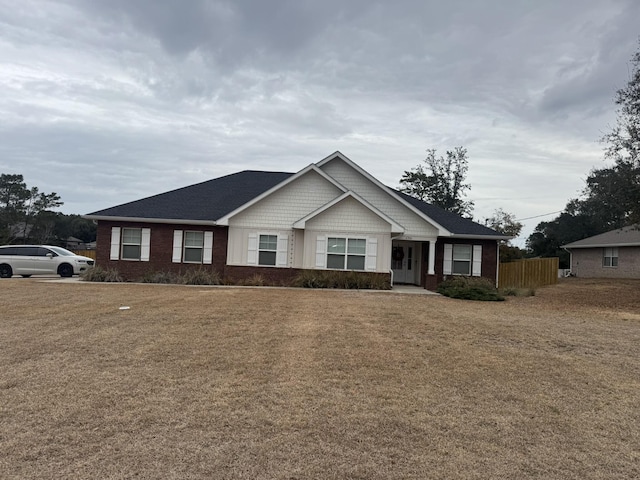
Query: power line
column 538, row 216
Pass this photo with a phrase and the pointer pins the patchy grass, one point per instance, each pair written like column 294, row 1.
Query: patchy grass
column 210, row 382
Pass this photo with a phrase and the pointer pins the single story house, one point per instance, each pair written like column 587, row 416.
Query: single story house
column 330, row 215
column 614, row 254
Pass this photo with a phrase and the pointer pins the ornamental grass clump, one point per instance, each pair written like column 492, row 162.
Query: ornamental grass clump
column 99, row 274
column 470, row 288
column 160, row 277
column 200, row 276
column 340, row 279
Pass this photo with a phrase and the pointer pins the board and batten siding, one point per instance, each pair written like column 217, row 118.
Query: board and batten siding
column 415, row 226
column 285, row 206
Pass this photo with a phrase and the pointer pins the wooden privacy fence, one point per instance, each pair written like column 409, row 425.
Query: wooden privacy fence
column 528, row 273
column 86, row 253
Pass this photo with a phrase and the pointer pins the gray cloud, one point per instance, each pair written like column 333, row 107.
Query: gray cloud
column 149, row 95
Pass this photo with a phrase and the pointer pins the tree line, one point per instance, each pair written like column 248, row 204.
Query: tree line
column 27, row 216
column 609, row 200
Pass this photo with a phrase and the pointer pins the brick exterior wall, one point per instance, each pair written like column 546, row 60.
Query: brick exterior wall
column 489, row 261
column 161, row 252
column 161, row 249
column 587, row 263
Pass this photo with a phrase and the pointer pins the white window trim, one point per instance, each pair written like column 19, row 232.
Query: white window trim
column 347, row 254
column 117, row 245
column 185, row 247
column 475, row 263
column 281, row 251
column 179, row 247
column 613, row 254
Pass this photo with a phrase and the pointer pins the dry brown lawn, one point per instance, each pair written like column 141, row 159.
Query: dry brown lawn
column 197, row 382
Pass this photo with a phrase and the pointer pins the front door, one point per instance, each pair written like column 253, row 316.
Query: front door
column 404, row 262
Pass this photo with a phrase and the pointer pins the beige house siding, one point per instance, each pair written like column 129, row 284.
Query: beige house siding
column 415, row 226
column 288, row 204
column 587, row 263
column 349, row 214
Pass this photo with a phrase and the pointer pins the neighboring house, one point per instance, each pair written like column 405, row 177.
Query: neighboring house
column 330, row 215
column 614, row 254
column 74, row 243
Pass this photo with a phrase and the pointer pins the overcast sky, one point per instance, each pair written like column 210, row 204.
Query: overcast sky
column 106, row 102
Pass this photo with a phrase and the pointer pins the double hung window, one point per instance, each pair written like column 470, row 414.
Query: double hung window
column 267, row 249
column 461, row 260
column 193, row 247
column 610, row 257
column 131, row 243
column 346, row 253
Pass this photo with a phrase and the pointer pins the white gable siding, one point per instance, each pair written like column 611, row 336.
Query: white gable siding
column 414, row 225
column 288, row 204
column 349, row 215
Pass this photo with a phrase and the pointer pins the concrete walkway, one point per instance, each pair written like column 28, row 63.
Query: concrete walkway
column 412, row 289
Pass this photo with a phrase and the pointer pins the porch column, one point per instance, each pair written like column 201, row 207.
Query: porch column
column 432, row 257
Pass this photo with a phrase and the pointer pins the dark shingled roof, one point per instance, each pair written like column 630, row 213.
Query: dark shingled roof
column 451, row 221
column 207, row 201
column 213, row 199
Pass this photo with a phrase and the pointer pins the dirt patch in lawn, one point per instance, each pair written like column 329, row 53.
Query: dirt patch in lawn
column 197, row 382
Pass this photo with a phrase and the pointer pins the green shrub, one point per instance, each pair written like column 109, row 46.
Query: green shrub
column 99, row 274
column 470, row 288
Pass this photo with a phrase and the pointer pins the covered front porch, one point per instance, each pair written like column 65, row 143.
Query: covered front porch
column 412, row 260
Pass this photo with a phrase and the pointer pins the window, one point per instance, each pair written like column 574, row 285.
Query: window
column 610, row 257
column 461, row 260
column 267, row 249
column 131, row 243
column 128, row 244
column 193, row 247
column 346, row 253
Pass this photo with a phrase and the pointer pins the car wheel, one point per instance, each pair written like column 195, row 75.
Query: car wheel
column 5, row 271
column 26, row 276
column 65, row 270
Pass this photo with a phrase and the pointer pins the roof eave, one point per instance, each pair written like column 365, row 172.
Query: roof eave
column 469, row 236
column 181, row 221
column 603, row 245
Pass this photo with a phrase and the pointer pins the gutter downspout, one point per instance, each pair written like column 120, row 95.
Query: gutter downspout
column 570, row 260
column 498, row 264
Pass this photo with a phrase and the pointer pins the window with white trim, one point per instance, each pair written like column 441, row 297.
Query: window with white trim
column 461, row 260
column 346, row 253
column 610, row 257
column 193, row 247
column 267, row 249
column 131, row 243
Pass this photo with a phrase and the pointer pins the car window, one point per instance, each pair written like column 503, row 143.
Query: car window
column 27, row 251
column 8, row 251
column 63, row 251
column 42, row 252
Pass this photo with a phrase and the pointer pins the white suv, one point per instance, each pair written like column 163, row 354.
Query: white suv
column 27, row 260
